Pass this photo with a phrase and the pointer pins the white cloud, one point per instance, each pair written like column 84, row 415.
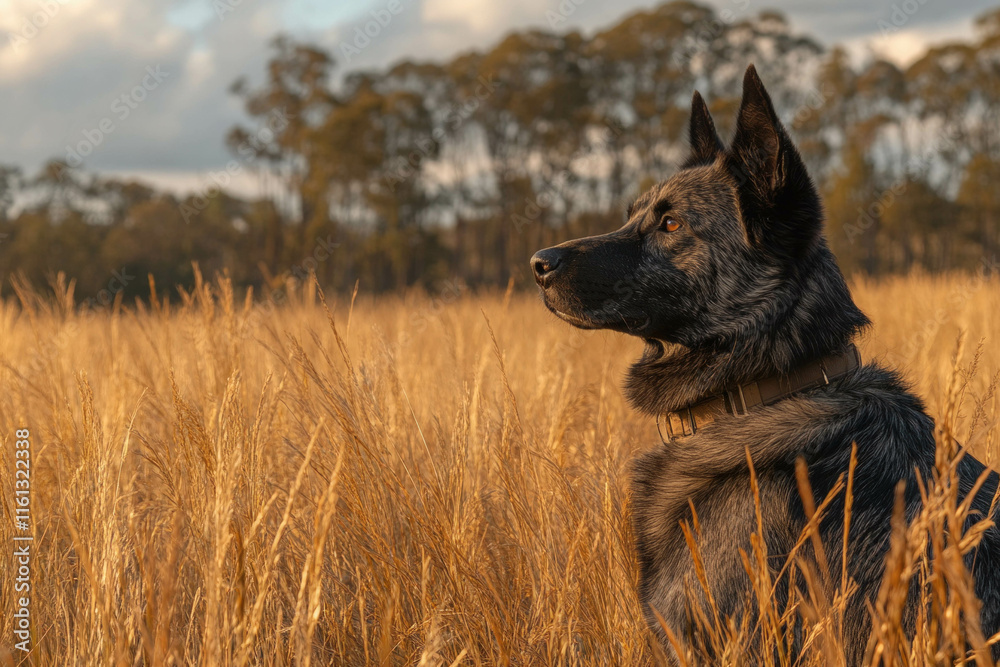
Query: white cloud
column 183, row 183
column 482, row 16
column 44, row 35
column 905, row 44
column 62, row 79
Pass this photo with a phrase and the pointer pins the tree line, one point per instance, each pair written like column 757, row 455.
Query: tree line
column 434, row 173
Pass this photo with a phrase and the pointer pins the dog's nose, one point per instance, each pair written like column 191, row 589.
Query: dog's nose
column 545, row 262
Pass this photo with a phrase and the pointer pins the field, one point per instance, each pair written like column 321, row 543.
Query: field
column 431, row 479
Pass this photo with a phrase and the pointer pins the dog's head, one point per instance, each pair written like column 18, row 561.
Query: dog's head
column 704, row 247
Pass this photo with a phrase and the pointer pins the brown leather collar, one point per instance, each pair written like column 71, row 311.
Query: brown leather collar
column 740, row 399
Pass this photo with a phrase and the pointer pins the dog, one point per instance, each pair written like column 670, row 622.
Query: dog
column 724, row 271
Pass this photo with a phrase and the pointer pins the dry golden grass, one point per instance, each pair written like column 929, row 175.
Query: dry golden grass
column 396, row 484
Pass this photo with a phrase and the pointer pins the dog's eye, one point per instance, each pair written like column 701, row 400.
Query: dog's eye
column 668, row 224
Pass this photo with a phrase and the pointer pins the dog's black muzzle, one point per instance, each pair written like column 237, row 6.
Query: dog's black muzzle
column 545, row 264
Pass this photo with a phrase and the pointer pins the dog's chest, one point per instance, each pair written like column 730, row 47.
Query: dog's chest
column 723, row 518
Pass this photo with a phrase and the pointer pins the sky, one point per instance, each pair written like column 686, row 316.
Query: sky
column 140, row 88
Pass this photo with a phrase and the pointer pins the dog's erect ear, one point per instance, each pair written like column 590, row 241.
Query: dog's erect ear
column 778, row 201
column 705, row 142
column 757, row 140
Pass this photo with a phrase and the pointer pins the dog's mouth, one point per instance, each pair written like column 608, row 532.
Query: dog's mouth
column 602, row 319
column 568, row 313
column 579, row 322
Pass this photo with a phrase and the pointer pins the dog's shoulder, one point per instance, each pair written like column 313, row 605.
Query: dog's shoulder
column 875, row 409
column 871, row 407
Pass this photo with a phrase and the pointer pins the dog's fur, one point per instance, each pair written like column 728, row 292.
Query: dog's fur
column 744, row 288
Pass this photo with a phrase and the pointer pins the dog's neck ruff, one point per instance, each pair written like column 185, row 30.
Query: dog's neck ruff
column 740, row 399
